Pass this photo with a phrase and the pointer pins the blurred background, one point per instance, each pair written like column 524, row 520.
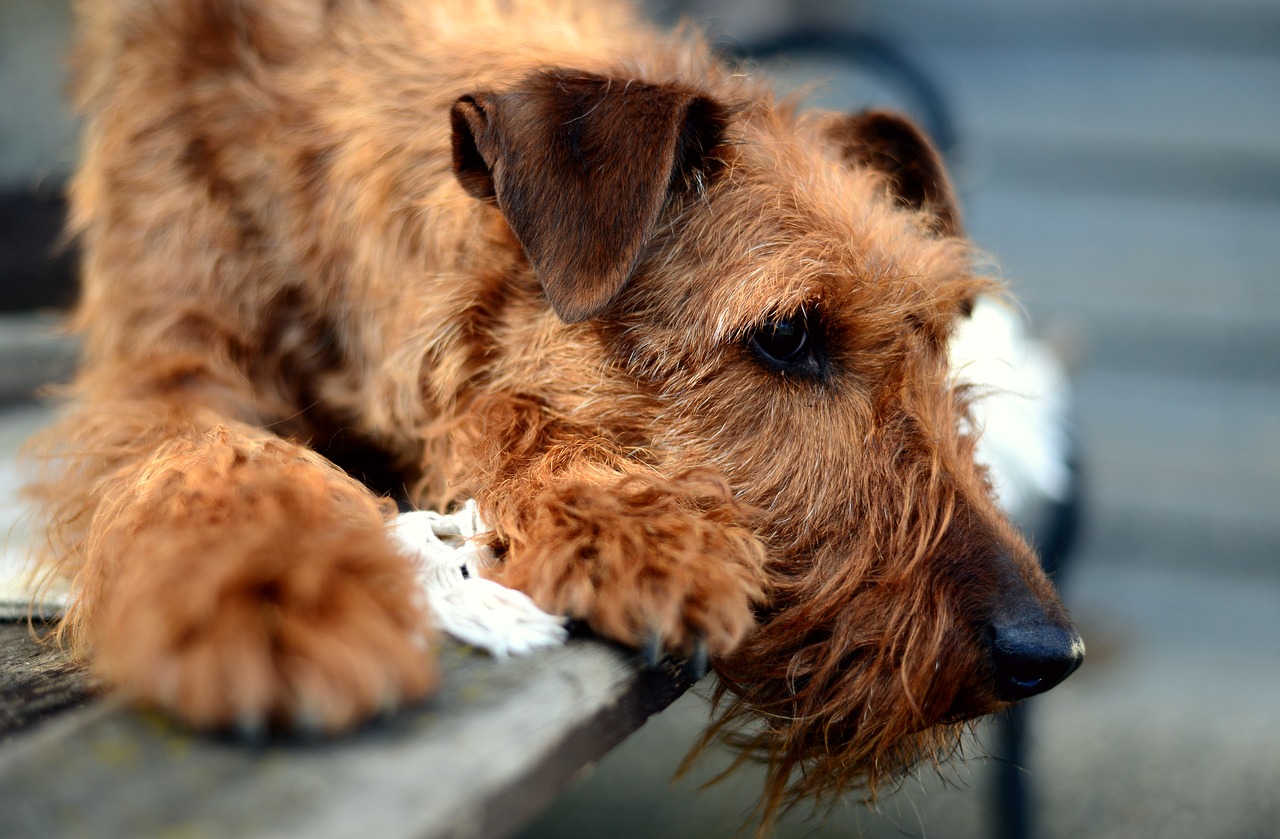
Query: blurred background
column 1120, row 159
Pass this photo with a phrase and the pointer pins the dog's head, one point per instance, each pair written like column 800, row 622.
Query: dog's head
column 780, row 290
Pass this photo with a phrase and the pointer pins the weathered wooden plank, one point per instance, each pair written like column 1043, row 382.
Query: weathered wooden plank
column 478, row 760
column 36, row 679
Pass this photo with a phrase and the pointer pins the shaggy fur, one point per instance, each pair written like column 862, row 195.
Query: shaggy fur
column 541, row 254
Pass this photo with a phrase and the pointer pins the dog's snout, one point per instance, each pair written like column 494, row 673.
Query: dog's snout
column 1031, row 656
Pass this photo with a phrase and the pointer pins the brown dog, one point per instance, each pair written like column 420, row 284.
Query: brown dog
column 686, row 345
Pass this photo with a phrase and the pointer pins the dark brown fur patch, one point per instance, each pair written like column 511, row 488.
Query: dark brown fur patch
column 888, row 143
column 581, row 166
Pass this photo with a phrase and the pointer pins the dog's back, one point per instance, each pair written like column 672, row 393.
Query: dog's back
column 251, row 166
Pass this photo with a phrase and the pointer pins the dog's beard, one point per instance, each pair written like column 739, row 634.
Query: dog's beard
column 845, row 687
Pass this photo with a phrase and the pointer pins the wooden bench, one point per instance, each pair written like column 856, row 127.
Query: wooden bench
column 486, row 754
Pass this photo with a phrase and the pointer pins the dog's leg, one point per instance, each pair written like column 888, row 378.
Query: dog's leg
column 592, row 533
column 228, row 575
column 650, row 563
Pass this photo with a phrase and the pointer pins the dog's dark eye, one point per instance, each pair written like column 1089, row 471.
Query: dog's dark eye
column 784, row 341
column 788, row 345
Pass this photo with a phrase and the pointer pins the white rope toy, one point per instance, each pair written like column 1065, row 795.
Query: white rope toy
column 472, row 609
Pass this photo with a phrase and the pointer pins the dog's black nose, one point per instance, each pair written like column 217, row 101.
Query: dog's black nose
column 1031, row 656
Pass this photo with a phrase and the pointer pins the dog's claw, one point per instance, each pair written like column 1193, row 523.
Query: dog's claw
column 389, row 702
column 307, row 725
column 700, row 661
column 251, row 728
column 651, row 652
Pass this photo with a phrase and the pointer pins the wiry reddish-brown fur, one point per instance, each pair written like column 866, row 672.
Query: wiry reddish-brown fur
column 523, row 251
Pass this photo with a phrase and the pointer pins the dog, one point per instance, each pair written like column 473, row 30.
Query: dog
column 684, row 342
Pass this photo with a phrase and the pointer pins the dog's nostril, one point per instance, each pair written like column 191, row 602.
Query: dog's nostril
column 1030, row 658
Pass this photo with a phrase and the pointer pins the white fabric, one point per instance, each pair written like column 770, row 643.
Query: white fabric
column 1023, row 411
column 20, row 597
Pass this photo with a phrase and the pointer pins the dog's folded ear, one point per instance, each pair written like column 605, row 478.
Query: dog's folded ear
column 582, row 166
column 892, row 145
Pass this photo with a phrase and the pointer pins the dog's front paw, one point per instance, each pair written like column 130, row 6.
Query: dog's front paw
column 645, row 563
column 314, row 631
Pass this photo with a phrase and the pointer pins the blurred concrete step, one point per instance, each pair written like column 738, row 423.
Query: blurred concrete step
column 1160, row 122
column 37, row 134
column 1181, row 472
column 1197, row 25
column 1158, row 284
column 1168, row 124
column 1169, row 728
column 32, row 355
